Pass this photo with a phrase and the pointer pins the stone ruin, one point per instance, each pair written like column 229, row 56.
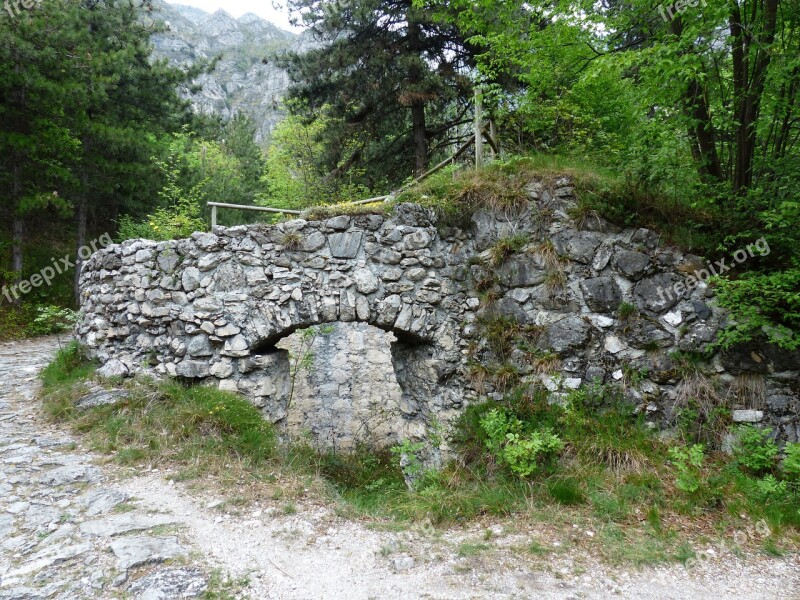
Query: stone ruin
column 218, row 308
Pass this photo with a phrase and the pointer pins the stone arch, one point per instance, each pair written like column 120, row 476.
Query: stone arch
column 217, row 304
column 423, row 360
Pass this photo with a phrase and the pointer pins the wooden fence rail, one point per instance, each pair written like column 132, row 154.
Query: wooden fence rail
column 482, row 129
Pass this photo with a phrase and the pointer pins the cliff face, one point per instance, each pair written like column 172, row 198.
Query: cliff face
column 241, row 82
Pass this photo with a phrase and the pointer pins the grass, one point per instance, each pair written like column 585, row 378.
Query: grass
column 456, row 195
column 506, row 247
column 320, row 213
column 71, row 365
column 468, row 549
column 601, row 193
column 200, row 429
column 291, row 240
column 614, row 478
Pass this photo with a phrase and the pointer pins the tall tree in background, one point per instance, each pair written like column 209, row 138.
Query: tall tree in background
column 392, row 76
column 36, row 145
column 127, row 99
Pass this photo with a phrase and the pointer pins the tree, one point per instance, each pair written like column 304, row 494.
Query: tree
column 127, row 100
column 296, row 176
column 393, row 76
column 36, row 144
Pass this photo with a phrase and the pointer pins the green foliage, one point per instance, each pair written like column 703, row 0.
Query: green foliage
column 52, row 319
column 791, row 464
column 763, row 304
column 688, row 463
column 179, row 216
column 71, row 364
column 296, row 174
column 754, row 449
column 770, row 488
column 407, row 454
column 523, row 453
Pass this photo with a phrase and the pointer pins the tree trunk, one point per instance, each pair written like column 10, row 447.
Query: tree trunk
column 749, row 86
column 16, row 197
column 16, row 244
column 709, row 165
column 420, row 133
column 420, row 139
column 701, row 131
column 82, row 215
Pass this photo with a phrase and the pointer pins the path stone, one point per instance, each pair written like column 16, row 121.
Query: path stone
column 140, row 550
column 102, row 398
column 54, row 537
column 167, row 584
column 125, row 523
column 101, row 501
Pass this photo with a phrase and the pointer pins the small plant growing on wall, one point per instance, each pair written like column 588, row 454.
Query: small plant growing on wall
column 304, row 358
column 291, row 240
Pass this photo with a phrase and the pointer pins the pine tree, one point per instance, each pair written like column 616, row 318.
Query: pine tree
column 393, row 77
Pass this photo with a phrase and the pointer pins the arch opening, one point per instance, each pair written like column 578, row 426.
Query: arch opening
column 342, row 384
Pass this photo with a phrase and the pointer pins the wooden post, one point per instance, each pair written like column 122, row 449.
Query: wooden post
column 478, row 128
column 213, row 217
column 493, row 138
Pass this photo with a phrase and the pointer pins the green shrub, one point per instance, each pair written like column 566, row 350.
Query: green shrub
column 52, row 319
column 179, row 215
column 407, row 454
column 521, row 452
column 754, row 450
column 770, row 488
column 791, row 464
column 688, row 462
column 71, row 364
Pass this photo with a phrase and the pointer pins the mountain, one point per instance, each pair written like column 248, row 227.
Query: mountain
column 241, row 82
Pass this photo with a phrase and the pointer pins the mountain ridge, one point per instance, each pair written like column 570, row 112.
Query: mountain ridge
column 242, row 81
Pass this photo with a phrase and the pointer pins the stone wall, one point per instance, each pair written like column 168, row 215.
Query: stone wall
column 598, row 301
column 347, row 389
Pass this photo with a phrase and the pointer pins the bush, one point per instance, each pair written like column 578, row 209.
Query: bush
column 179, row 217
column 754, row 450
column 522, row 453
column 791, row 464
column 688, row 462
column 769, row 488
column 52, row 319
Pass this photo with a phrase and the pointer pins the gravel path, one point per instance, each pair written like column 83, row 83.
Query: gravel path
column 72, row 527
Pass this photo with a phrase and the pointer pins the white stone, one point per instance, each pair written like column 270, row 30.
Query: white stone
column 365, row 281
column 602, row 321
column 613, row 344
column 747, row 416
column 617, row 374
column 673, row 318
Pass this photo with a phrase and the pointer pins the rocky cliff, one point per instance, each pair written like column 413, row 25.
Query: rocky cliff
column 241, row 82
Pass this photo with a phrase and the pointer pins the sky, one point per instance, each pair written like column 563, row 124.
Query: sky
column 236, row 8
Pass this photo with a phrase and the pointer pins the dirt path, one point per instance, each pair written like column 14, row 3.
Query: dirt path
column 72, row 526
